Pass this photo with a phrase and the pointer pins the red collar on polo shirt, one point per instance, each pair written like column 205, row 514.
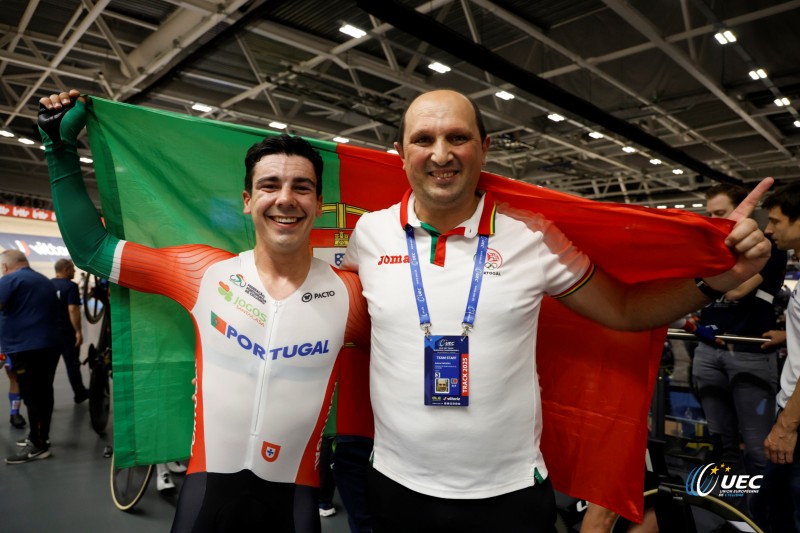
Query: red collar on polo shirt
column 482, row 222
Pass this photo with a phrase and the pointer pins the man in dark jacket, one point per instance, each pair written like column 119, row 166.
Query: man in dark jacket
column 28, row 336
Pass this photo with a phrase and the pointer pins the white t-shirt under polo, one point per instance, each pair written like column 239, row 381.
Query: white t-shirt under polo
column 490, row 447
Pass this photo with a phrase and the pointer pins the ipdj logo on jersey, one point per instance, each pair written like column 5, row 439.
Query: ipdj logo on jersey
column 238, row 280
column 307, row 297
column 287, row 352
column 703, row 480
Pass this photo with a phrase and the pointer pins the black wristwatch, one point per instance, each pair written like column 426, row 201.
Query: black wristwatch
column 706, row 289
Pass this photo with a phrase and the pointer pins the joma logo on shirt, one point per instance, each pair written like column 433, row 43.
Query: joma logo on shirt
column 287, row 352
column 392, row 259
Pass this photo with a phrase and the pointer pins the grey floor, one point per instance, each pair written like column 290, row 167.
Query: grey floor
column 69, row 492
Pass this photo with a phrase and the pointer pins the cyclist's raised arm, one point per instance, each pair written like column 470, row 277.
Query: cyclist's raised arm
column 61, row 118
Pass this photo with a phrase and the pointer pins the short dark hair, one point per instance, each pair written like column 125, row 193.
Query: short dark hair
column 736, row 193
column 62, row 265
column 787, row 198
column 282, row 144
column 478, row 119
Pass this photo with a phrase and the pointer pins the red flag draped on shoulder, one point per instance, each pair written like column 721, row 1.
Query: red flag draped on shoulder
column 181, row 181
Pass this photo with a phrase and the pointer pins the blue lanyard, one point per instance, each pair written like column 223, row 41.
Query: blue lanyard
column 419, row 290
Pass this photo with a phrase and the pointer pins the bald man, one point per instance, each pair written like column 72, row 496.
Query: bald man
column 464, row 455
column 28, row 337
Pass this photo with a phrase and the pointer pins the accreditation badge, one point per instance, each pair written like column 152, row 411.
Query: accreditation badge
column 447, row 370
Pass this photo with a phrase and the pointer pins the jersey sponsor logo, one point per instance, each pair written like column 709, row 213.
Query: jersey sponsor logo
column 249, row 310
column 270, row 451
column 393, row 260
column 225, row 291
column 287, row 352
column 307, row 297
column 238, row 279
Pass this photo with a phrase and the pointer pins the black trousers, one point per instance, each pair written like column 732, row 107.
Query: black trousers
column 241, row 501
column 35, row 371
column 72, row 362
column 396, row 509
column 350, row 464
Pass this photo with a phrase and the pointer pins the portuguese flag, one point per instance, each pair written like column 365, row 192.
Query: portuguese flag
column 168, row 179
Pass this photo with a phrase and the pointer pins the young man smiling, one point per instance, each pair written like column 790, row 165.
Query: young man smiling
column 265, row 356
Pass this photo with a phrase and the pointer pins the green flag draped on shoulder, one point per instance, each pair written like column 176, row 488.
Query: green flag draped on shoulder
column 168, row 179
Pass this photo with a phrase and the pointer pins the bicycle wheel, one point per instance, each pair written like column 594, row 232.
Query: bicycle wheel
column 93, row 307
column 128, row 484
column 693, row 513
column 99, row 391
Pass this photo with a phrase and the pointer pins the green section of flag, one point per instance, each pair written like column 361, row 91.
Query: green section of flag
column 168, row 179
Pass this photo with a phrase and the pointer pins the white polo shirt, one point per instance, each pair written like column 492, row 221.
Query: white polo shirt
column 490, row 447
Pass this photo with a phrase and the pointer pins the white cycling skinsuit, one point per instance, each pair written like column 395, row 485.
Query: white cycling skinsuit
column 264, row 377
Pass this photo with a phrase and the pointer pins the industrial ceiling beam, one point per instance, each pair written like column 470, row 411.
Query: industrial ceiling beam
column 441, row 36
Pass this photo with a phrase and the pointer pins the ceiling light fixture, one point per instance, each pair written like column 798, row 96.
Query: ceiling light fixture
column 504, row 95
column 757, row 74
column 352, row 31
column 277, row 125
column 555, row 117
column 725, row 37
column 679, row 206
column 203, row 108
column 6, row 133
column 797, row 123
column 341, row 140
column 393, row 151
column 697, row 205
column 438, row 67
column 595, row 135
column 23, row 140
column 655, row 161
column 780, row 102
column 628, row 149
column 661, row 207
column 677, row 171
column 85, row 160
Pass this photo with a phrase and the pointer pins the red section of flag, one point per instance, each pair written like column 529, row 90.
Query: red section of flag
column 369, row 178
column 353, row 411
